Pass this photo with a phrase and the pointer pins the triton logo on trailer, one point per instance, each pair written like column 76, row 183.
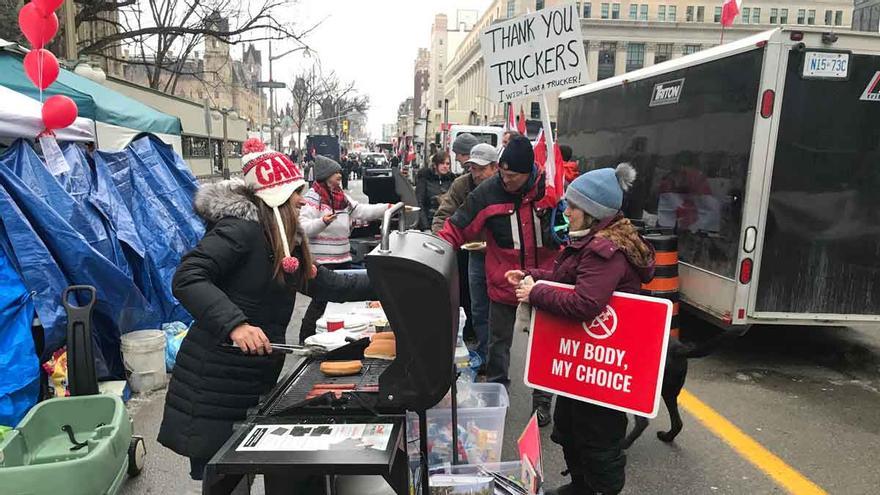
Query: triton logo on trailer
column 872, row 92
column 667, row 93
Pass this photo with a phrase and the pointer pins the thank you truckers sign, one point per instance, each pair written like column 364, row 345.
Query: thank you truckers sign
column 616, row 360
column 534, row 53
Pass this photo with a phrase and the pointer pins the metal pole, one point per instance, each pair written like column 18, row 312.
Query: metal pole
column 70, row 31
column 445, row 122
column 225, row 149
column 271, row 102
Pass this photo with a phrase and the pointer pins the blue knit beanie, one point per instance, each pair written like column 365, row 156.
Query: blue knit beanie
column 600, row 192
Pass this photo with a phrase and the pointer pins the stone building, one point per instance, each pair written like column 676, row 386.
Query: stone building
column 625, row 36
column 866, row 15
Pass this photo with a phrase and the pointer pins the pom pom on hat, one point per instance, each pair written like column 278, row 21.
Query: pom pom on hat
column 253, row 145
column 290, row 264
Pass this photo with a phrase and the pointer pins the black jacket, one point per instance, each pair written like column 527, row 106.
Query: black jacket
column 430, row 187
column 224, row 282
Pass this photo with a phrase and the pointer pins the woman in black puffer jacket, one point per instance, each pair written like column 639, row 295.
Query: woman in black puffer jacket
column 431, row 184
column 240, row 285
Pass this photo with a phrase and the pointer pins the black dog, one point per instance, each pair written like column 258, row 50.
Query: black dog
column 677, row 355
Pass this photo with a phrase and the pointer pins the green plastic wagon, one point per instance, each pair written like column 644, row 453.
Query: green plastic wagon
column 72, row 446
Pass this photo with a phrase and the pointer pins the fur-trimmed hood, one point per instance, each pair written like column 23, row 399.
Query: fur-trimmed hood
column 228, row 198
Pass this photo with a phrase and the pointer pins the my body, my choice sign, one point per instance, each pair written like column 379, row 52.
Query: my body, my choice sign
column 616, row 360
column 534, row 53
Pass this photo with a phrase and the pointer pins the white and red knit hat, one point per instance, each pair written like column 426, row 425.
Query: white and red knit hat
column 273, row 178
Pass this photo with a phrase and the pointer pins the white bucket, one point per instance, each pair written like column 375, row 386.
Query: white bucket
column 143, row 353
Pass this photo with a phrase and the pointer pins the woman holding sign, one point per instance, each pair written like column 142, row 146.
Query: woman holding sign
column 605, row 254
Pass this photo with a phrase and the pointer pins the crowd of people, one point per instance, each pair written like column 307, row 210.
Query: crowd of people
column 268, row 240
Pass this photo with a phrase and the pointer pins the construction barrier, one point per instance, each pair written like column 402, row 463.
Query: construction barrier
column 665, row 282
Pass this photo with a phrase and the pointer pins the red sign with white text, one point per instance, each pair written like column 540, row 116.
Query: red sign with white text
column 616, row 360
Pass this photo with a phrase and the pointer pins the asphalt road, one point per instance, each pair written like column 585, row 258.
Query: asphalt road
column 793, row 407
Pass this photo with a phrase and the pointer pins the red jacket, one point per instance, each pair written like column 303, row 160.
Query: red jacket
column 596, row 266
column 517, row 234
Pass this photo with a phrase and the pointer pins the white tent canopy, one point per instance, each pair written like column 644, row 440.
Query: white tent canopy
column 21, row 117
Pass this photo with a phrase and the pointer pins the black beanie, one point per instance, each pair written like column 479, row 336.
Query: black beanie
column 518, row 156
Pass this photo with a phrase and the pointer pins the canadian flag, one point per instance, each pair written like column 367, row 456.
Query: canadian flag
column 729, row 11
column 521, row 125
column 553, row 171
column 511, row 119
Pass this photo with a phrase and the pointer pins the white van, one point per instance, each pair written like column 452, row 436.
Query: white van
column 484, row 134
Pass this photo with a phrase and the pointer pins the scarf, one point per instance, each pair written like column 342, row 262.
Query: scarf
column 335, row 199
column 625, row 236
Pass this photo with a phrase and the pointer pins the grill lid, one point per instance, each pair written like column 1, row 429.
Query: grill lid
column 416, row 277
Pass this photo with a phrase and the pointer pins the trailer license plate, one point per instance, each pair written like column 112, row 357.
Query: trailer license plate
column 826, row 65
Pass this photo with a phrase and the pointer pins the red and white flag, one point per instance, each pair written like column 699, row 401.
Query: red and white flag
column 511, row 119
column 521, row 125
column 553, row 171
column 729, row 11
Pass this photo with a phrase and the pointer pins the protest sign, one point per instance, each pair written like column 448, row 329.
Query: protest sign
column 535, row 53
column 616, row 360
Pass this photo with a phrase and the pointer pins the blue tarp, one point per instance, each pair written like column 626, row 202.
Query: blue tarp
column 18, row 360
column 119, row 223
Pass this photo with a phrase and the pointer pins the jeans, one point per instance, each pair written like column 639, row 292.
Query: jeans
column 316, row 309
column 501, row 323
column 479, row 301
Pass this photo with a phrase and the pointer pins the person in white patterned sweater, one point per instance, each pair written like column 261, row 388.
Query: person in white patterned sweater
column 326, row 219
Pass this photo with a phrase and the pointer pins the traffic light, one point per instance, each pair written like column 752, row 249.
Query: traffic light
column 345, row 126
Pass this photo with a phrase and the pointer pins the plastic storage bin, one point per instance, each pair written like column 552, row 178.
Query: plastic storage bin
column 482, row 412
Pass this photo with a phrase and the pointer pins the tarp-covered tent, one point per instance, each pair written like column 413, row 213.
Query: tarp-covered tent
column 119, row 222
column 118, row 118
column 20, row 117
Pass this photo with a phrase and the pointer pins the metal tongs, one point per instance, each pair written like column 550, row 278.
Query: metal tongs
column 299, row 350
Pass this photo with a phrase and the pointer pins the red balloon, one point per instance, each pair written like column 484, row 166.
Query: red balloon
column 41, row 67
column 39, row 29
column 59, row 112
column 46, row 7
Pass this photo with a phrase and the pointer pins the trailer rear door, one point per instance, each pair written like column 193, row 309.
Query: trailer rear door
column 821, row 248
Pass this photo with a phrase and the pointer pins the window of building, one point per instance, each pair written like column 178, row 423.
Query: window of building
column 671, row 13
column 746, row 15
column 643, row 12
column 511, row 8
column 689, row 49
column 802, row 16
column 607, row 52
column 606, row 11
column 441, row 42
column 539, row 4
column 535, row 110
column 838, row 18
column 829, row 17
column 588, row 10
column 633, row 11
column 615, row 11
column 216, row 94
column 661, row 12
column 663, row 52
column 811, row 17
column 717, row 14
column 689, row 14
column 439, row 103
column 635, row 56
column 701, row 14
column 783, row 16
column 774, row 16
column 756, row 16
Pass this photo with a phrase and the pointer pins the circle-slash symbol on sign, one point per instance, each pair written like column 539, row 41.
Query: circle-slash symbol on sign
column 603, row 326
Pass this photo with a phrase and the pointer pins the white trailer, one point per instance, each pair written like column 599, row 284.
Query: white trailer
column 763, row 156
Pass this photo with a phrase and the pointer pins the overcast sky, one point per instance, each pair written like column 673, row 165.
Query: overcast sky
column 373, row 42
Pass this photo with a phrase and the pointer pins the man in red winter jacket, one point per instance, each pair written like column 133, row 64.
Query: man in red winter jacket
column 502, row 209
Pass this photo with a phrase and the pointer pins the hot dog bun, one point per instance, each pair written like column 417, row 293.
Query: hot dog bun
column 382, row 349
column 383, row 336
column 341, row 368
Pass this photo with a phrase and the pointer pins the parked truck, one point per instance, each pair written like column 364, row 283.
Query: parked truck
column 324, row 145
column 763, row 157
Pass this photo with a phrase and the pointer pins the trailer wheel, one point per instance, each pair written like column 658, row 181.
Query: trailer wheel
column 137, row 454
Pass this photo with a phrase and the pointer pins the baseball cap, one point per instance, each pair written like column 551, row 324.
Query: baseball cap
column 483, row 154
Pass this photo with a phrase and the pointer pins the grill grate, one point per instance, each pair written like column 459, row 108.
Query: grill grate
column 295, row 392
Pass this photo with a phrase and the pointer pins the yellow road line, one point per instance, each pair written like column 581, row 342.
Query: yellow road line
column 774, row 467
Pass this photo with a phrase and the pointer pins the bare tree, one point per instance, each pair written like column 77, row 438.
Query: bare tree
column 160, row 35
column 339, row 100
column 306, row 92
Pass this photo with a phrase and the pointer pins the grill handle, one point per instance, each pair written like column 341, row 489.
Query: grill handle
column 398, row 209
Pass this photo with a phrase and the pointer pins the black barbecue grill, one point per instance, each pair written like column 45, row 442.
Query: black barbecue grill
column 416, row 278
